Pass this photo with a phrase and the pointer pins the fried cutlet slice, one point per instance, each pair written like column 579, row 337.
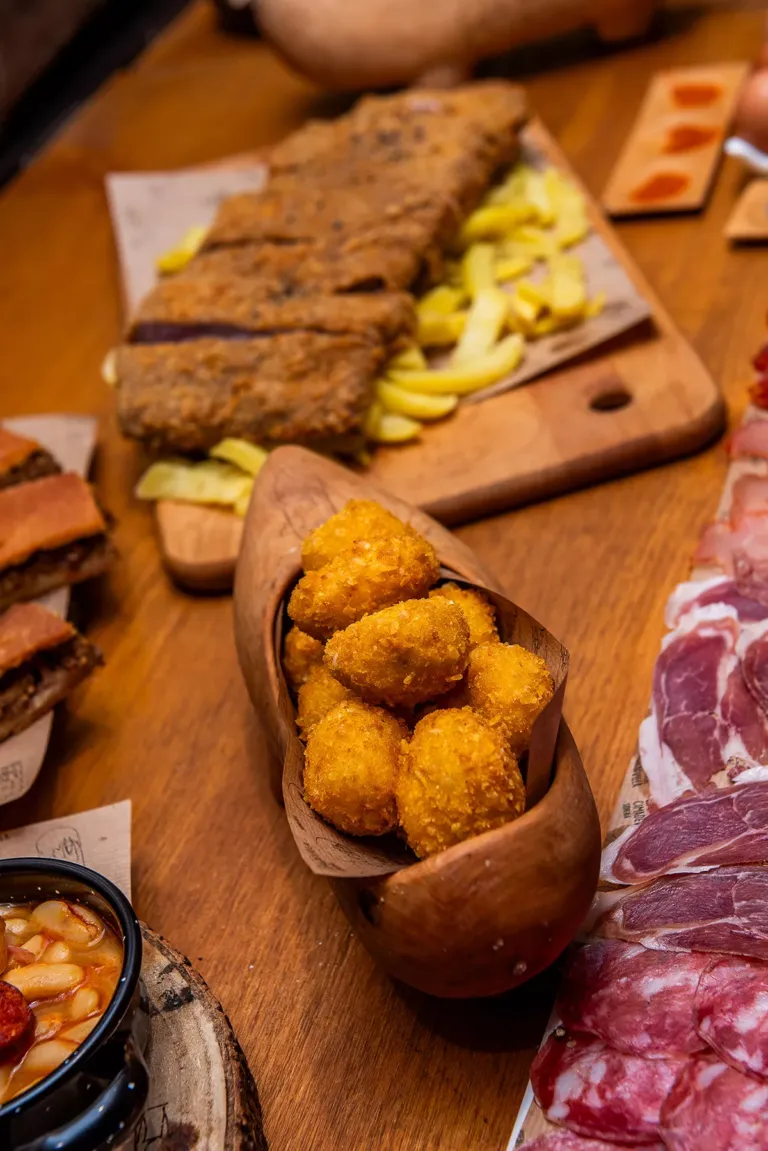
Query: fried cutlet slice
column 286, row 212
column 42, row 658
column 234, row 306
column 412, row 125
column 451, row 143
column 283, row 270
column 23, row 459
column 297, row 387
column 52, row 533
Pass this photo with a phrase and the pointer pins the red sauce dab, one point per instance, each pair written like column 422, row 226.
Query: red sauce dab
column 686, row 137
column 663, row 186
column 695, row 95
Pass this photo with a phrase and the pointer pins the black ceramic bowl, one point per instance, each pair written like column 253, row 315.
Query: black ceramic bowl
column 95, row 1097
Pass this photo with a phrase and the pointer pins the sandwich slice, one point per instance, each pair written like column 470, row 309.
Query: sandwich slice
column 23, row 459
column 42, row 658
column 52, row 533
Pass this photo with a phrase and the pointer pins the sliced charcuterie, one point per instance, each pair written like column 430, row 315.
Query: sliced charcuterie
column 693, row 833
column 640, row 1002
column 585, row 1085
column 703, row 718
column 17, row 1023
column 713, row 1106
column 703, row 593
column 732, row 1012
column 724, row 911
column 568, row 1141
column 752, row 650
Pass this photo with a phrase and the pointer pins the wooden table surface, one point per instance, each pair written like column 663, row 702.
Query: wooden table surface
column 343, row 1058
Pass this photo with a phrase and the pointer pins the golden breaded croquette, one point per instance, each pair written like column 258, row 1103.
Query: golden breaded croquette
column 350, row 767
column 509, row 686
column 457, row 778
column 301, row 652
column 319, row 693
column 403, row 655
column 370, row 576
column 358, row 520
column 480, row 612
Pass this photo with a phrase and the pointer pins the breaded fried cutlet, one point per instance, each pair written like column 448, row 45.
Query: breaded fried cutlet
column 180, row 309
column 289, row 212
column 282, row 270
column 301, row 278
column 392, row 131
column 298, row 387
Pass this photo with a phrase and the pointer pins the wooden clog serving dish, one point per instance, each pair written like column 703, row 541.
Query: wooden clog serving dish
column 480, row 917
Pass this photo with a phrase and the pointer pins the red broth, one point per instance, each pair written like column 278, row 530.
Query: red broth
column 66, row 963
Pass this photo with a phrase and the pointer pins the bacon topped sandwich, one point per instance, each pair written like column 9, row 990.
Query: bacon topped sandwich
column 52, row 533
column 23, row 459
column 42, row 658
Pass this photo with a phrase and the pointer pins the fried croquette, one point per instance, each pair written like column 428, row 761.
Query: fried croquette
column 370, row 576
column 350, row 767
column 358, row 520
column 403, row 655
column 301, row 652
column 319, row 693
column 479, row 611
column 457, row 778
column 509, row 686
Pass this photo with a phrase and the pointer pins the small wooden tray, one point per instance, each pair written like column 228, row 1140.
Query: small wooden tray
column 644, row 401
column 201, row 1092
column 670, row 156
column 749, row 219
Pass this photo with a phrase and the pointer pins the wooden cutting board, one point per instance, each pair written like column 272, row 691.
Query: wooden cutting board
column 645, row 399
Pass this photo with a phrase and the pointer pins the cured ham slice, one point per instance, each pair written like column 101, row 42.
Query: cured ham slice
column 732, row 1013
column 693, row 833
column 640, row 1002
column 750, row 440
column 738, row 546
column 713, row 1106
column 723, row 911
column 703, row 593
column 567, row 1141
column 586, row 1086
column 752, row 650
column 702, row 718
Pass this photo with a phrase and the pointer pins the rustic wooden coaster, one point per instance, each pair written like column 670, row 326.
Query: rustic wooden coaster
column 201, row 1093
column 669, row 158
column 749, row 218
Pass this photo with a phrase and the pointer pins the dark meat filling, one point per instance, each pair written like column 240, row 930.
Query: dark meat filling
column 45, row 570
column 169, row 332
column 33, row 468
column 44, row 679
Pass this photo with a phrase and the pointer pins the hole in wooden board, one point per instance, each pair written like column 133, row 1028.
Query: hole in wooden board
column 611, row 400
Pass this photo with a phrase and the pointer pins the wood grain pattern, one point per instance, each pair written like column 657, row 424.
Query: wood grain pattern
column 446, row 925
column 201, row 1093
column 343, row 1057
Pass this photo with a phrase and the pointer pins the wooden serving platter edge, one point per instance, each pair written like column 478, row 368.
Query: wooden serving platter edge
column 644, row 401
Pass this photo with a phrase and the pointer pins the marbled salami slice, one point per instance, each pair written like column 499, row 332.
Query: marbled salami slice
column 732, row 1013
column 713, row 1106
column 585, row 1085
column 640, row 1002
column 567, row 1141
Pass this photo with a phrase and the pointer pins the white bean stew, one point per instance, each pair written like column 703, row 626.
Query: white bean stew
column 59, row 966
